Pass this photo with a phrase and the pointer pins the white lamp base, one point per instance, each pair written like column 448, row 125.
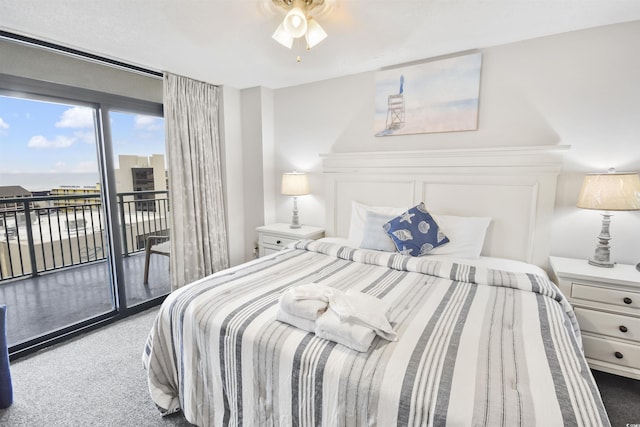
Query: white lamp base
column 295, row 221
column 602, row 256
column 606, row 264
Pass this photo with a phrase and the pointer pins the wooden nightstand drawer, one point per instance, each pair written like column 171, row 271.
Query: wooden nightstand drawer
column 598, row 294
column 613, row 325
column 611, row 351
column 280, row 241
column 267, row 250
column 272, row 238
column 607, row 305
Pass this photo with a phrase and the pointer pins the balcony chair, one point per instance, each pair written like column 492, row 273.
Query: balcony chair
column 156, row 244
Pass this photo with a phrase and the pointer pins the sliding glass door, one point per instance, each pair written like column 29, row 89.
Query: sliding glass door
column 143, row 205
column 83, row 190
column 54, row 257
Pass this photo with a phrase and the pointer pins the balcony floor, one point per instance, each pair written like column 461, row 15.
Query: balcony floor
column 56, row 299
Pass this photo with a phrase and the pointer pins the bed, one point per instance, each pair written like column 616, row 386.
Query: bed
column 483, row 340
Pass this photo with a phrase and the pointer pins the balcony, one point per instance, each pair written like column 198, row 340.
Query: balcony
column 53, row 267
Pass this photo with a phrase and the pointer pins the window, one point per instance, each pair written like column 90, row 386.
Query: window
column 62, row 146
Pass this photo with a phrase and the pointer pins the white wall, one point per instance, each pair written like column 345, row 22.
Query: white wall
column 257, row 163
column 268, row 150
column 231, row 143
column 579, row 89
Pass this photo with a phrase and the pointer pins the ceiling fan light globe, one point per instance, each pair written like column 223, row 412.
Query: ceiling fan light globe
column 315, row 34
column 295, row 23
column 283, row 37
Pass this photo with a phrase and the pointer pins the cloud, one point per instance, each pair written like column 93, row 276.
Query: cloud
column 86, row 137
column 78, row 167
column 59, row 167
column 85, row 167
column 3, row 124
column 76, row 117
column 149, row 123
column 60, row 141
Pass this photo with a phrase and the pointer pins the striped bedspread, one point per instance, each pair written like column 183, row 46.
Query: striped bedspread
column 475, row 347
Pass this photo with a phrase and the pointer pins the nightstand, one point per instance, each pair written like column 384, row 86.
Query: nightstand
column 272, row 238
column 607, row 305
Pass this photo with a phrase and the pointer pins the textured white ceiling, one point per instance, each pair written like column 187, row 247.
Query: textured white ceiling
column 229, row 41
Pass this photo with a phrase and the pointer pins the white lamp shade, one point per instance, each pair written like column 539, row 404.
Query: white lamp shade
column 295, row 184
column 295, row 23
column 610, row 192
column 315, row 34
column 283, row 37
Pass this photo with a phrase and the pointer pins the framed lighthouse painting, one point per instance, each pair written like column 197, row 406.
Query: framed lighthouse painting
column 435, row 96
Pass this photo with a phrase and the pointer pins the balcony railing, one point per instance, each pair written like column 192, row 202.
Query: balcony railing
column 45, row 233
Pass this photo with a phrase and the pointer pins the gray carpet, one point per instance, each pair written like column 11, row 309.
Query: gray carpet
column 621, row 397
column 94, row 380
column 98, row 380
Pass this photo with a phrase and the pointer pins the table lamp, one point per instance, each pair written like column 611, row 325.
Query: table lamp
column 613, row 191
column 295, row 184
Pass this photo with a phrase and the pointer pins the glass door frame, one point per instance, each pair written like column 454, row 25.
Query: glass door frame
column 102, row 103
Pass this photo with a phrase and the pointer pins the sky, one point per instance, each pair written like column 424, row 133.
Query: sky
column 48, row 138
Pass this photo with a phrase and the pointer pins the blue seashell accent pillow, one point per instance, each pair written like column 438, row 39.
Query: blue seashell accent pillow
column 415, row 232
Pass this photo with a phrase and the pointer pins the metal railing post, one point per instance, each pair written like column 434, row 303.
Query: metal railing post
column 123, row 225
column 32, row 246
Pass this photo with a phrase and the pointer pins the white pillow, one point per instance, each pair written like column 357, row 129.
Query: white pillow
column 466, row 235
column 359, row 218
column 374, row 237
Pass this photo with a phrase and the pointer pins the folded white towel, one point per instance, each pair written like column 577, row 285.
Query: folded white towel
column 307, row 308
column 365, row 310
column 312, row 291
column 298, row 322
column 354, row 336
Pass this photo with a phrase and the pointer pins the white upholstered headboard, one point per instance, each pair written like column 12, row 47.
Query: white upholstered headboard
column 515, row 186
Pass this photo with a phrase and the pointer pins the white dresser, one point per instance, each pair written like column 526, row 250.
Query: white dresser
column 272, row 238
column 607, row 305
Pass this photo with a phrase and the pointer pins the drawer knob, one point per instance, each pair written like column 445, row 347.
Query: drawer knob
column 627, row 300
column 278, row 242
column 618, row 355
column 623, row 328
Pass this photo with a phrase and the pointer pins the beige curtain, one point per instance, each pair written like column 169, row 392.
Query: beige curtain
column 198, row 225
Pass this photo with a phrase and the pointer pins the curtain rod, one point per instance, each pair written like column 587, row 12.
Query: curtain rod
column 78, row 53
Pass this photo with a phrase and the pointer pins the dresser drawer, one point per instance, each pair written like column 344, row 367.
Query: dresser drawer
column 269, row 251
column 273, row 237
column 270, row 240
column 613, row 325
column 611, row 351
column 606, row 296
